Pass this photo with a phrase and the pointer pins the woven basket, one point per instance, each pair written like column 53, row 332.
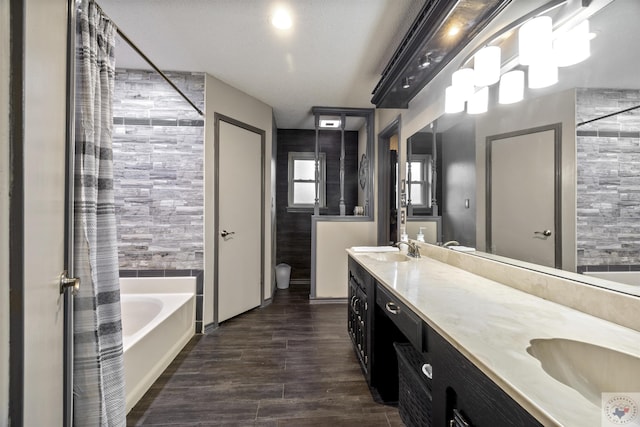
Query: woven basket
column 414, row 395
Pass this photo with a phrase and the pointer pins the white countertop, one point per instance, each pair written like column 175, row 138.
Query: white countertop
column 491, row 324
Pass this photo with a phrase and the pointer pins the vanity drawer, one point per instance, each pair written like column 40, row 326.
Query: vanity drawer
column 405, row 319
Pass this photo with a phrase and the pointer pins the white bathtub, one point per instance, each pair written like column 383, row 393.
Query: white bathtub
column 627, row 277
column 158, row 319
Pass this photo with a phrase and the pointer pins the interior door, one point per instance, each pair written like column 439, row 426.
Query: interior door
column 523, row 191
column 240, row 213
column 43, row 180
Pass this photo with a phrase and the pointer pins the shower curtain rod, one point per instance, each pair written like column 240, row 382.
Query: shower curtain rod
column 163, row 75
column 606, row 116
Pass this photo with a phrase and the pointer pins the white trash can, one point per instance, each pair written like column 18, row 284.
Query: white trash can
column 283, row 273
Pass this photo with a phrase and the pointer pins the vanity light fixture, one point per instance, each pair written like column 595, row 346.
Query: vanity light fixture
column 406, row 83
column 479, row 102
column 511, row 89
column 463, row 80
column 486, row 66
column 453, row 100
column 535, row 40
column 537, row 50
column 574, row 46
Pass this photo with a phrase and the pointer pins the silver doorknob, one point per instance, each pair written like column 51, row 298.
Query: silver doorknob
column 545, row 233
column 69, row 282
column 226, row 233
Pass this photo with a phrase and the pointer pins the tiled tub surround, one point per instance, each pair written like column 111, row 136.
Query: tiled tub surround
column 492, row 324
column 608, row 191
column 158, row 170
column 157, row 322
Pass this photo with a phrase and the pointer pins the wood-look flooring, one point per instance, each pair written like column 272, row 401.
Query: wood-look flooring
column 288, row 364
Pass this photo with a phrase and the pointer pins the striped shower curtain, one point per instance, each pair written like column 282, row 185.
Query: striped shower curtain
column 98, row 386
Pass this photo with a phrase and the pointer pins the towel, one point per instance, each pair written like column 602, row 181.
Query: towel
column 374, row 249
column 462, row 248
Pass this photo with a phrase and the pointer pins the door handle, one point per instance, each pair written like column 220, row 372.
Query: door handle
column 225, row 233
column 545, row 233
column 69, row 282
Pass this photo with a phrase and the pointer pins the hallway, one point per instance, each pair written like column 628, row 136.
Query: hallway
column 288, row 364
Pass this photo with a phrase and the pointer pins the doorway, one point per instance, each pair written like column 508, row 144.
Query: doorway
column 387, row 166
column 523, row 190
column 239, row 217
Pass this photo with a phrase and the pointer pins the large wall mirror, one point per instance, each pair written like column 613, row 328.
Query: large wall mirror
column 594, row 116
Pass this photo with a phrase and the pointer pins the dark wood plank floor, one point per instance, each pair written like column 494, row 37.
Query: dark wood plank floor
column 288, row 364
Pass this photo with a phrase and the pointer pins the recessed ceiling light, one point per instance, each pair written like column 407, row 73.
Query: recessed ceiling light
column 281, row 19
column 329, row 123
column 453, row 31
column 424, row 61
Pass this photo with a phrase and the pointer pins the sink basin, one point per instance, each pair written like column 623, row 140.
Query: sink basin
column 589, row 369
column 388, row 256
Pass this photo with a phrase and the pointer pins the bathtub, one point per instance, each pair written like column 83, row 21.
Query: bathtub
column 623, row 281
column 158, row 319
column 627, row 277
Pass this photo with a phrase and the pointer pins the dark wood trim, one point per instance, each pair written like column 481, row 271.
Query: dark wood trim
column 16, row 211
column 557, row 137
column 68, row 317
column 425, row 36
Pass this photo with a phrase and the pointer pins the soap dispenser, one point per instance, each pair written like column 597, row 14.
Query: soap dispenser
column 420, row 236
column 404, row 237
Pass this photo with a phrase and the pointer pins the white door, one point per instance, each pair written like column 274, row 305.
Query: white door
column 523, row 197
column 44, row 210
column 240, row 212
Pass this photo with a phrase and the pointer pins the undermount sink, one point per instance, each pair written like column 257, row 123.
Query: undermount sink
column 388, row 256
column 587, row 368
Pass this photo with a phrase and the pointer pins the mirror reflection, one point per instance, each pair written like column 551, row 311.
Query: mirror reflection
column 554, row 179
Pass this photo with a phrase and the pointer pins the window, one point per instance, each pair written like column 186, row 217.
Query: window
column 420, row 183
column 302, row 183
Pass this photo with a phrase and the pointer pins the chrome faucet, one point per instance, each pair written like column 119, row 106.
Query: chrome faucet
column 413, row 251
column 450, row 243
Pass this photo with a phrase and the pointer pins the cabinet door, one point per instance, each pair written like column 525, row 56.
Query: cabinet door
column 460, row 385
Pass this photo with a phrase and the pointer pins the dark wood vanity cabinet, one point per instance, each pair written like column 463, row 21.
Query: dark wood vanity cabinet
column 460, row 394
column 360, row 314
column 460, row 390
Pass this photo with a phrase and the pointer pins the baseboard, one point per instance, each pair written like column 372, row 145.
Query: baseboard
column 327, row 300
column 210, row 328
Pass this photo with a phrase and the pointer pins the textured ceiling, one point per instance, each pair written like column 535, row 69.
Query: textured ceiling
column 332, row 56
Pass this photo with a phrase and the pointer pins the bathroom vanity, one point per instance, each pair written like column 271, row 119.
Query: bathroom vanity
column 497, row 353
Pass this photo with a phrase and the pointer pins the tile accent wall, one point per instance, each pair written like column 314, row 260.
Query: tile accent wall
column 608, row 163
column 198, row 274
column 158, row 141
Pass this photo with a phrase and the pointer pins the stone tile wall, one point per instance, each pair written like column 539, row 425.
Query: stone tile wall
column 158, row 141
column 608, row 191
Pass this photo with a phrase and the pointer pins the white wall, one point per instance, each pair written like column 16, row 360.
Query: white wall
column 229, row 101
column 545, row 110
column 332, row 239
column 4, row 211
